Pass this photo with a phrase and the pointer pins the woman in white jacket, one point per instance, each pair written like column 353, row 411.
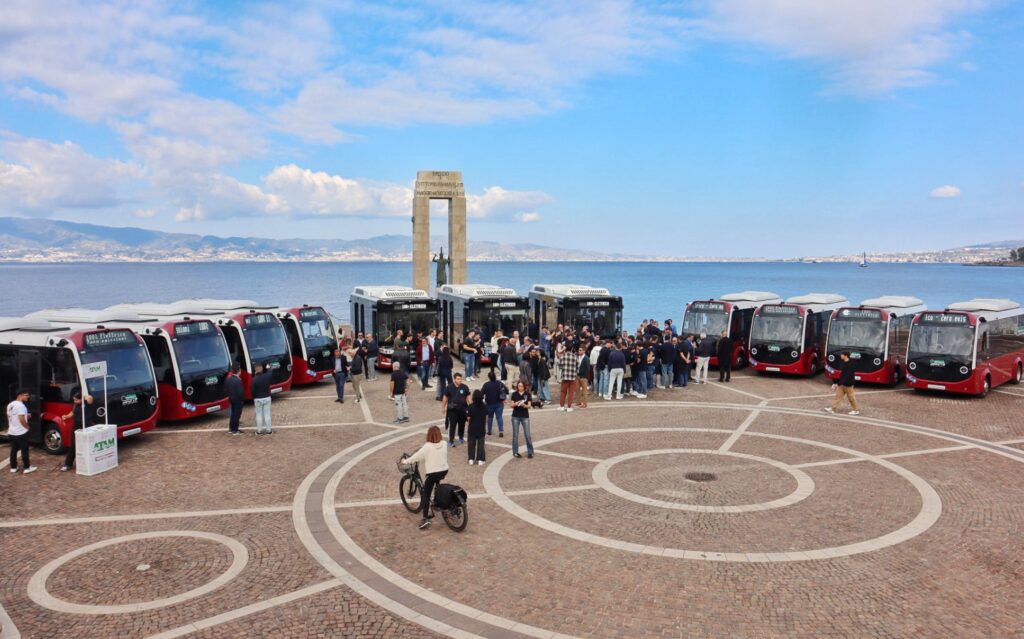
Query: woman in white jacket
column 434, row 455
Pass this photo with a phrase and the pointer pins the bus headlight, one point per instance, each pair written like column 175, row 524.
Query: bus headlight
column 964, row 370
column 912, row 366
column 831, row 358
column 878, row 361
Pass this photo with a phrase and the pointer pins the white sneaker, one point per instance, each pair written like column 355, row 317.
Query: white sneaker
column 480, row 463
column 641, row 396
column 569, row 410
column 30, row 469
column 14, row 470
column 471, row 462
column 855, row 412
column 828, row 409
column 619, row 397
column 607, row 398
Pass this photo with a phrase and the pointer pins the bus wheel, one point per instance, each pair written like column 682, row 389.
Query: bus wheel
column 53, row 443
column 1020, row 373
column 986, row 387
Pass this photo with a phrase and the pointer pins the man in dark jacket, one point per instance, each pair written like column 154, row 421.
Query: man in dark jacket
column 844, row 385
column 236, row 397
column 82, row 419
column 340, row 374
column 616, row 369
column 724, row 353
column 260, row 390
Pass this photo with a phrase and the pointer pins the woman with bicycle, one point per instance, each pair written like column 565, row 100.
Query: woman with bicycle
column 434, row 455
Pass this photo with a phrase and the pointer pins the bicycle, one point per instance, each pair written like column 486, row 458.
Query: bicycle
column 410, row 487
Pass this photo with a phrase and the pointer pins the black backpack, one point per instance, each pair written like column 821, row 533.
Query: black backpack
column 357, row 365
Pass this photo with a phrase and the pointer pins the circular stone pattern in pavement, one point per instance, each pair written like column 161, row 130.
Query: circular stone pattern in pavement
column 722, row 480
column 108, row 569
column 931, row 504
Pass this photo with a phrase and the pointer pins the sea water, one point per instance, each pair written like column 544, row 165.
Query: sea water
column 649, row 290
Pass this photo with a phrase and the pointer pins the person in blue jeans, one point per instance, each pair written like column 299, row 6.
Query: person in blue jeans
column 469, row 346
column 521, row 418
column 494, row 399
column 668, row 359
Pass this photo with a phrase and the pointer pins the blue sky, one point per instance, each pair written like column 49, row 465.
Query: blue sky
column 715, row 127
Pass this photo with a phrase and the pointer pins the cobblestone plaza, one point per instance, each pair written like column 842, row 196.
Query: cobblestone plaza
column 723, row 510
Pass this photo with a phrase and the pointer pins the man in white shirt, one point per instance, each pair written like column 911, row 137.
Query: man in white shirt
column 17, row 432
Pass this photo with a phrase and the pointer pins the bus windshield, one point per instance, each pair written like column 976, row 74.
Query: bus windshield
column 709, row 322
column 777, row 329
column 603, row 320
column 317, row 329
column 929, row 339
column 264, row 337
column 128, row 364
column 864, row 335
column 411, row 322
column 199, row 348
column 490, row 320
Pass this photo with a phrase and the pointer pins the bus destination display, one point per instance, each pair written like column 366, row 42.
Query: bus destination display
column 707, row 306
column 311, row 313
column 109, row 338
column 944, row 318
column 860, row 313
column 775, row 309
column 259, row 319
column 192, row 328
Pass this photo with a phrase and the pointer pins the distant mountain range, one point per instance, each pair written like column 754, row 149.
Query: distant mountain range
column 41, row 240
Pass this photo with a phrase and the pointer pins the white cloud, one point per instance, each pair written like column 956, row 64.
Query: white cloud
column 497, row 203
column 868, row 46
column 144, row 214
column 945, row 192
column 39, row 177
column 529, row 217
column 306, row 192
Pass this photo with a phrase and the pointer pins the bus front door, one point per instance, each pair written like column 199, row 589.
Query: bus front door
column 30, row 376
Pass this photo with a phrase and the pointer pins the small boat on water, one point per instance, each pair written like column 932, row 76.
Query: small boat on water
column 864, row 260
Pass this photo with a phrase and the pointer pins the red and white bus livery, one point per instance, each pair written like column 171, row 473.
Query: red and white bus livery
column 47, row 358
column 734, row 311
column 255, row 337
column 790, row 337
column 971, row 347
column 312, row 338
column 875, row 334
column 190, row 358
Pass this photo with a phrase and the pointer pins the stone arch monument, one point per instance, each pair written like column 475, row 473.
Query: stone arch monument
column 438, row 185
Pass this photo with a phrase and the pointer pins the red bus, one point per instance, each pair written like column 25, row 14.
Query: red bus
column 875, row 334
column 790, row 337
column 254, row 336
column 47, row 359
column 190, row 358
column 734, row 311
column 312, row 338
column 971, row 347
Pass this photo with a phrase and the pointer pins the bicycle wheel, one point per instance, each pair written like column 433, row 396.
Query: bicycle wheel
column 412, row 493
column 456, row 516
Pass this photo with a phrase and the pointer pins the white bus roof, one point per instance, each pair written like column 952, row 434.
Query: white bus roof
column 988, row 308
column 571, row 290
column 761, row 297
column 225, row 306
column 36, row 324
column 91, row 317
column 174, row 309
column 477, row 290
column 897, row 304
column 818, row 302
column 391, row 292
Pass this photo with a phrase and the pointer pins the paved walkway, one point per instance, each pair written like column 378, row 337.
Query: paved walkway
column 723, row 510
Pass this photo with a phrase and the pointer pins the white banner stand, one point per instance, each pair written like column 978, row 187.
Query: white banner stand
column 96, row 446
